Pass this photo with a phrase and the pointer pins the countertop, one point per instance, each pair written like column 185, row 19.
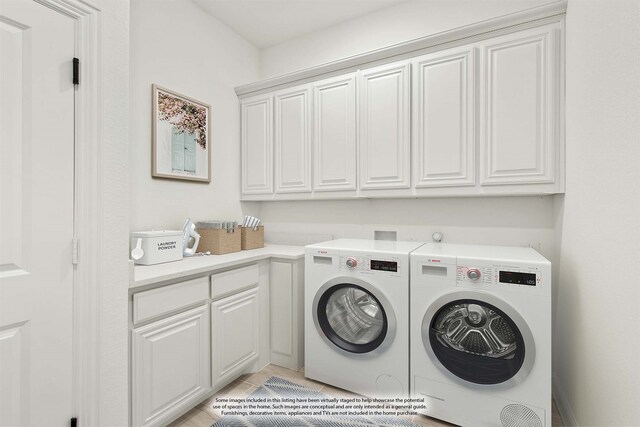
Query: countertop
column 144, row 275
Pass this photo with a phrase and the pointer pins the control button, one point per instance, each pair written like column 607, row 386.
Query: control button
column 473, row 274
column 352, row 263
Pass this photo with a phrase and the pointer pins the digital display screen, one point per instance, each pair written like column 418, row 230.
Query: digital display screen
column 384, row 265
column 518, row 278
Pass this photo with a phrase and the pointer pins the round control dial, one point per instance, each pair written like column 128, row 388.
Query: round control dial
column 352, row 263
column 473, row 274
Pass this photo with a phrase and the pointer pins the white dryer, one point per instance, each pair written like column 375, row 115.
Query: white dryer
column 356, row 315
column 481, row 334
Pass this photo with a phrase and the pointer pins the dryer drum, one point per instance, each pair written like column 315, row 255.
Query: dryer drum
column 352, row 318
column 477, row 342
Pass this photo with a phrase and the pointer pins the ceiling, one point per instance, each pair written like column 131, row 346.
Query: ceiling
column 266, row 23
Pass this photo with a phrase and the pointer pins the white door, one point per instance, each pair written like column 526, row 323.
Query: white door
column 36, row 214
column 257, row 145
column 334, row 112
column 443, row 118
column 384, row 117
column 292, row 110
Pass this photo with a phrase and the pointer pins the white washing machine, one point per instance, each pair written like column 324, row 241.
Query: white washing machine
column 356, row 315
column 481, row 334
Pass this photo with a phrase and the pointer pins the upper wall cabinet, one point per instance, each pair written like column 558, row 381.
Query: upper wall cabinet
column 334, row 112
column 443, row 118
column 257, row 145
column 292, row 132
column 384, row 119
column 520, row 137
column 483, row 116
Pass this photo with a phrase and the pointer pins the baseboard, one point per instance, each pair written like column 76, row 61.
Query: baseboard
column 566, row 412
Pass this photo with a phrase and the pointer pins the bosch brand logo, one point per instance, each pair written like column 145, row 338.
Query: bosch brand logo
column 434, row 260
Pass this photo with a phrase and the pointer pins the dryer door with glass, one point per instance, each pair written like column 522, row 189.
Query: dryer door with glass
column 478, row 339
column 354, row 317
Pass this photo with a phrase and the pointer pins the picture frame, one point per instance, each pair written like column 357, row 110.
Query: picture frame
column 181, row 137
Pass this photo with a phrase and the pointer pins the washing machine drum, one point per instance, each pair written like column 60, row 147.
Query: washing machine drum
column 476, row 341
column 353, row 317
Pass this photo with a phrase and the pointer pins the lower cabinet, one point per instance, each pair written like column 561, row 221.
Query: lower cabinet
column 235, row 335
column 191, row 338
column 171, row 367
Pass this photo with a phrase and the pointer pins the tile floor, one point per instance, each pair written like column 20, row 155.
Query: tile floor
column 204, row 415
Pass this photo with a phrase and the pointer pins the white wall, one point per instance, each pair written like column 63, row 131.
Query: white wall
column 175, row 44
column 597, row 343
column 519, row 221
column 406, row 21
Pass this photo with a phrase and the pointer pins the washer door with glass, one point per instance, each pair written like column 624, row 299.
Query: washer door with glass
column 477, row 341
column 353, row 316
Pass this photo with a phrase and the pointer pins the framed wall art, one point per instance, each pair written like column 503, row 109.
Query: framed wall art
column 181, row 137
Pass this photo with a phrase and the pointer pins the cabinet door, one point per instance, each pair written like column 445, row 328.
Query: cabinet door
column 520, row 139
column 171, row 367
column 292, row 109
column 286, row 283
column 235, row 337
column 443, row 118
column 384, row 119
column 334, row 114
column 257, row 145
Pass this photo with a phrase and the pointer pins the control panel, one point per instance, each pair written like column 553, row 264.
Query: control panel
column 471, row 274
column 497, row 275
column 517, row 278
column 380, row 265
column 369, row 264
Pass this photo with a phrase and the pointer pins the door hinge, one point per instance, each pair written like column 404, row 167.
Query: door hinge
column 76, row 71
column 74, row 255
column 74, row 422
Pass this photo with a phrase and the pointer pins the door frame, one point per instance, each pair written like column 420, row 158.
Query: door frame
column 86, row 331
